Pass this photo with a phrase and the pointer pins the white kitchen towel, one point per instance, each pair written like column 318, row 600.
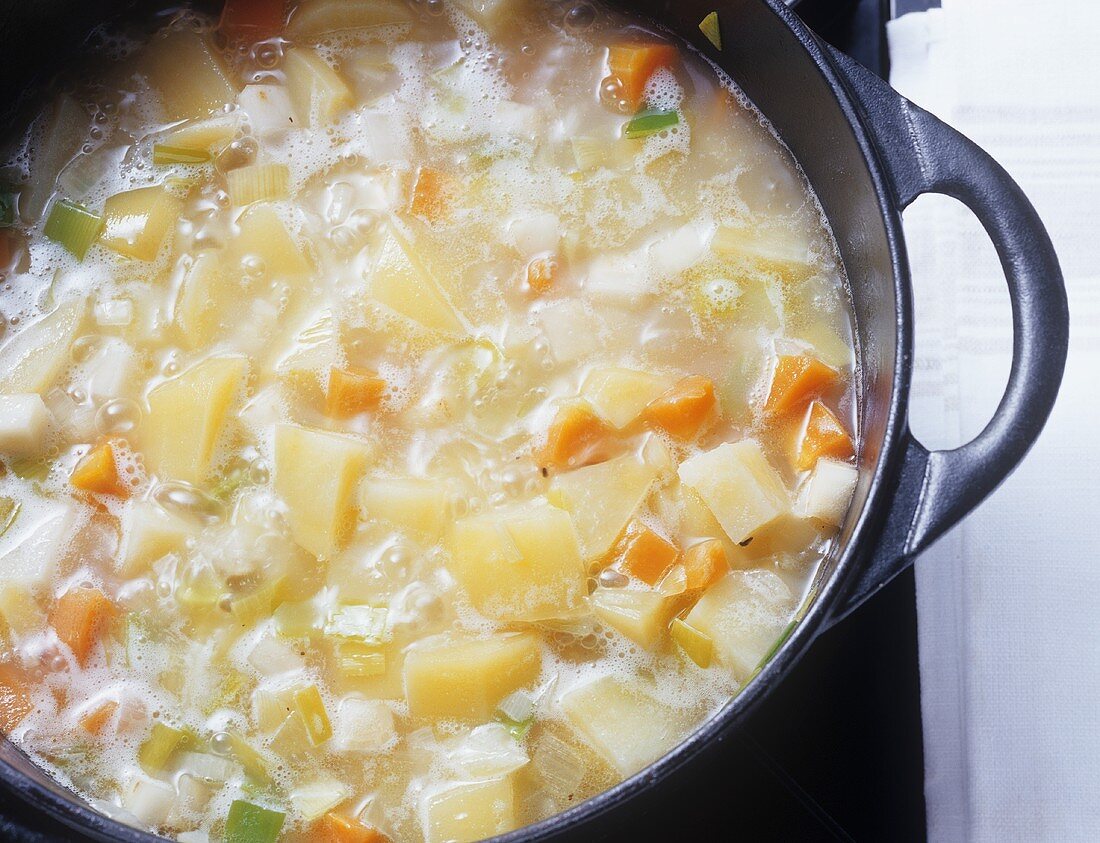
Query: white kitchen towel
column 1009, row 602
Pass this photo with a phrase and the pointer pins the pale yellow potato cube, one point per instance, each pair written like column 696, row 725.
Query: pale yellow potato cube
column 620, row 395
column 208, row 301
column 364, row 726
column 496, row 16
column 149, row 532
column 518, row 563
column 739, row 485
column 322, row 17
column 602, row 498
column 316, row 474
column 464, row 813
column 262, row 235
column 24, row 420
column 642, row 616
column 419, row 505
column 186, row 417
column 451, row 678
column 136, row 221
column 828, row 491
column 318, row 93
column 187, row 73
column 623, row 722
column 19, row 611
column 210, row 135
column 789, row 534
column 33, row 358
column 744, row 613
column 400, row 282
column 316, row 348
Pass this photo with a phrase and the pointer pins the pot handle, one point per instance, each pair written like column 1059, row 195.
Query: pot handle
column 936, row 489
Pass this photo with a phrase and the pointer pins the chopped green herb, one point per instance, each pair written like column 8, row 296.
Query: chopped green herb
column 650, row 122
column 711, row 28
column 73, row 226
column 248, row 823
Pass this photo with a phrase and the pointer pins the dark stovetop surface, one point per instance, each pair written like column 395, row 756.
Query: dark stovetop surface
column 835, row 753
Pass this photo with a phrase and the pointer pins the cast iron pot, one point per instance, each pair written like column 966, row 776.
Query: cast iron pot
column 868, row 153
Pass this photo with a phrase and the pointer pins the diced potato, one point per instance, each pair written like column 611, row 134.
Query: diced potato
column 642, row 616
column 23, row 423
column 33, row 358
column 624, row 723
column 736, row 481
column 263, row 235
column 572, row 329
column 420, row 505
column 149, row 800
column 620, row 395
column 186, row 417
column 465, row 678
column 792, row 533
column 149, row 533
column 364, row 726
column 19, row 611
column 321, row 17
column 63, row 129
column 828, row 491
column 34, row 561
column 465, row 813
column 401, row 283
column 268, row 108
column 518, row 563
column 136, row 221
column 783, row 251
column 744, row 614
column 699, row 522
column 497, row 16
column 317, row 92
column 316, row 349
column 204, row 135
column 316, row 474
column 602, row 499
column 208, row 300
column 187, row 73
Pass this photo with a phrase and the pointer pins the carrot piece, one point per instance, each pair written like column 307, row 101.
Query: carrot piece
column 15, row 702
column 825, row 436
column 254, row 20
column 335, row 828
column 429, row 195
column 647, row 555
column 576, row 437
column 98, row 472
column 352, row 391
column 796, row 381
column 80, row 617
column 705, row 563
column 94, row 721
column 634, row 63
column 685, row 408
column 541, row 274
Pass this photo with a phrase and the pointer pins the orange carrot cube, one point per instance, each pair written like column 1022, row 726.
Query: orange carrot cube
column 352, row 391
column 429, row 195
column 94, row 721
column 98, row 472
column 647, row 555
column 15, row 700
column 685, row 408
column 797, row 380
column 334, row 828
column 634, row 63
column 824, row 436
column 541, row 274
column 576, row 437
column 80, row 617
column 705, row 563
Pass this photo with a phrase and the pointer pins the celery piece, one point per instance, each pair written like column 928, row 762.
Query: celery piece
column 248, row 823
column 7, row 206
column 73, row 226
column 710, row 27
column 311, row 707
column 360, row 661
column 163, row 742
column 297, row 620
column 649, row 122
column 165, row 155
column 362, row 623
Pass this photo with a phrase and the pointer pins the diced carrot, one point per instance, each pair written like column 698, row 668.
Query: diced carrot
column 825, row 436
column 634, row 63
column 705, row 563
column 335, row 828
column 94, row 721
column 685, row 408
column 576, row 437
column 647, row 555
column 352, row 391
column 80, row 617
column 253, row 20
column 541, row 274
column 15, row 701
column 98, row 472
column 797, row 380
column 429, row 195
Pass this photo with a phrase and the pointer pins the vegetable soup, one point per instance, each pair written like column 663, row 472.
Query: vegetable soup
column 415, row 417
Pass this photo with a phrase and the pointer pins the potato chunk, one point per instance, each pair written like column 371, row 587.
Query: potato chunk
column 401, row 283
column 208, row 300
column 620, row 395
column 624, row 723
column 642, row 616
column 188, row 75
column 465, row 678
column 23, row 422
column 136, row 221
column 828, row 491
column 744, row 613
column 739, row 485
column 419, row 505
column 317, row 92
column 317, row 18
column 464, row 813
column 186, row 418
column 316, row 474
column 519, row 563
column 602, row 499
column 263, row 235
column 32, row 359
column 149, row 533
